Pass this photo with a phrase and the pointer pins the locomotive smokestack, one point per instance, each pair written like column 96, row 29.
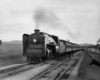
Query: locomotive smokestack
column 37, row 30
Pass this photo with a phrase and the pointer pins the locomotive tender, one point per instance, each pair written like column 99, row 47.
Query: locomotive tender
column 41, row 46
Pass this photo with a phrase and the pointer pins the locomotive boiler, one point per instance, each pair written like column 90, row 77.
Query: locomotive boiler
column 40, row 46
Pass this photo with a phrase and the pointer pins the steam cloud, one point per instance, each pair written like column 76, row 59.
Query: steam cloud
column 49, row 18
column 46, row 17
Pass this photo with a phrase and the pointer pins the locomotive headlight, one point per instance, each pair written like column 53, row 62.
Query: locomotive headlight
column 34, row 40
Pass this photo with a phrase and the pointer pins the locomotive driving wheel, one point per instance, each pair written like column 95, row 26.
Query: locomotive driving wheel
column 33, row 59
column 47, row 56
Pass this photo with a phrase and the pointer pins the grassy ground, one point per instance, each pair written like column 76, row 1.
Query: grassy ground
column 11, row 54
column 87, row 71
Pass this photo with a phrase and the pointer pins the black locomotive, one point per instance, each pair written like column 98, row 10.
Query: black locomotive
column 42, row 46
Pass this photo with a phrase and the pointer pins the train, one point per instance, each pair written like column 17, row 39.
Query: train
column 41, row 46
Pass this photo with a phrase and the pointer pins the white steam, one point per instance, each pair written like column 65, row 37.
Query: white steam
column 47, row 17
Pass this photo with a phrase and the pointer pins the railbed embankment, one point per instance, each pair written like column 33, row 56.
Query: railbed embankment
column 74, row 73
column 88, row 71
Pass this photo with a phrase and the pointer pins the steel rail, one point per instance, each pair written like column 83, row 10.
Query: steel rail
column 23, row 69
column 57, row 71
column 12, row 68
column 52, row 67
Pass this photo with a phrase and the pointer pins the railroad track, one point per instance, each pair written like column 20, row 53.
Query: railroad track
column 57, row 71
column 18, row 69
column 55, row 65
column 12, row 68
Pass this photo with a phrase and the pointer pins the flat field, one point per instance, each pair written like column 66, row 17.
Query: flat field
column 11, row 54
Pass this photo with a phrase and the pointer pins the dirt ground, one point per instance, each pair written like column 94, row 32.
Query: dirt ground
column 87, row 71
column 11, row 54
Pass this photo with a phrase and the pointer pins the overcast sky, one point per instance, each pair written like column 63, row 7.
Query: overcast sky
column 77, row 20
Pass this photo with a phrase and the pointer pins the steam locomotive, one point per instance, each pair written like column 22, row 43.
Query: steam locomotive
column 42, row 46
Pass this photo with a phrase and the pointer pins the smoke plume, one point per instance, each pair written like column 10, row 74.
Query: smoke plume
column 47, row 17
